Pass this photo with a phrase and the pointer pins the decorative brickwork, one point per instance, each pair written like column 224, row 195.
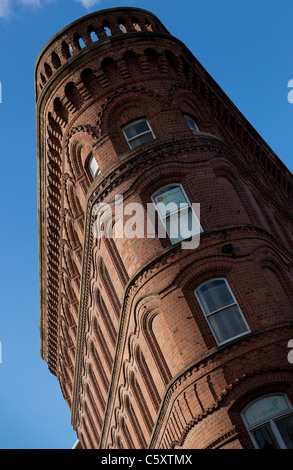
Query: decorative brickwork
column 137, row 359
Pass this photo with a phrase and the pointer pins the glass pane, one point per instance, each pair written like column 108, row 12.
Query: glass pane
column 137, row 128
column 214, row 295
column 191, row 124
column 265, row 408
column 169, row 200
column 141, row 140
column 285, row 427
column 265, row 439
column 181, row 225
column 227, row 323
column 93, row 166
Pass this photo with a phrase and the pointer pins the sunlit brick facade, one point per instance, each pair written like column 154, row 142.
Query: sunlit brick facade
column 156, row 346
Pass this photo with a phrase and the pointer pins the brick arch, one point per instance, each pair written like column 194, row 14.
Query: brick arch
column 70, row 320
column 55, row 127
column 67, row 289
column 104, row 213
column 132, row 388
column 188, row 105
column 145, row 312
column 158, row 176
column 152, row 56
column 195, row 274
column 232, row 183
column 74, row 99
column 192, row 277
column 72, row 235
column 127, row 107
column 287, row 236
column 146, row 321
column 79, row 145
column 130, row 58
column 116, row 429
column 274, row 381
column 186, row 100
column 109, row 66
column 90, row 80
column 225, row 169
column 172, row 60
column 79, row 152
column 55, row 59
column 61, row 112
column 70, row 264
column 186, row 68
column 75, row 206
column 260, row 209
column 272, row 263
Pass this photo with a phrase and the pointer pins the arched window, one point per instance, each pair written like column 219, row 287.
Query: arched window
column 176, row 213
column 138, row 133
column 221, row 310
column 93, row 166
column 269, row 421
column 191, row 123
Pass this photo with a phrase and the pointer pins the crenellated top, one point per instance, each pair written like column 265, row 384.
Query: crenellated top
column 86, row 31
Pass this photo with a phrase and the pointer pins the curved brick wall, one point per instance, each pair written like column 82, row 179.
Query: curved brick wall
column 120, row 325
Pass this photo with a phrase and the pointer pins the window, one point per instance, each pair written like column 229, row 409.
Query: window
column 176, row 213
column 269, row 421
column 221, row 310
column 138, row 133
column 191, row 123
column 93, row 166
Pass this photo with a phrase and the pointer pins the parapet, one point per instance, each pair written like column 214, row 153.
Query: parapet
column 86, row 32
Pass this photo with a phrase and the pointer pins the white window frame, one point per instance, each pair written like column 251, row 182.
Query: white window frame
column 150, row 131
column 162, row 219
column 271, row 421
column 207, row 315
column 89, row 167
column 188, row 118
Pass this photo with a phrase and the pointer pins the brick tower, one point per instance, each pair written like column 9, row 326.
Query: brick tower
column 157, row 346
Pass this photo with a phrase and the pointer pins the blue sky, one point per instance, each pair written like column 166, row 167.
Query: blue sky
column 246, row 46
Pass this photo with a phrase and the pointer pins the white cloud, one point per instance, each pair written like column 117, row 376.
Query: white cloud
column 34, row 3
column 7, row 7
column 4, row 8
column 88, row 3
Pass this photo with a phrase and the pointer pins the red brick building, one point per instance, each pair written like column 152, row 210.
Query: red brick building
column 156, row 346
